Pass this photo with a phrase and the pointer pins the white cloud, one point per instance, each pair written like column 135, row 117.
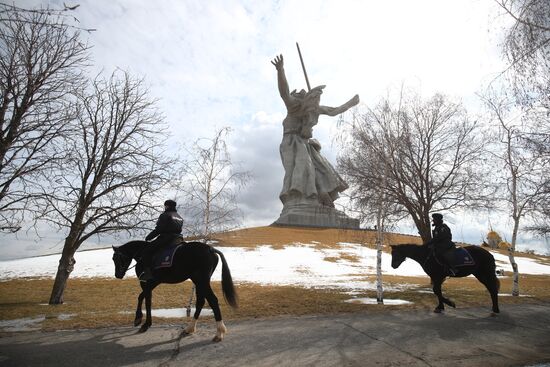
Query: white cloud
column 209, row 63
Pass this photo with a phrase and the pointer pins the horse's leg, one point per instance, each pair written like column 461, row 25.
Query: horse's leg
column 148, row 291
column 437, row 291
column 192, row 327
column 139, row 313
column 492, row 284
column 446, row 300
column 214, row 305
column 437, row 283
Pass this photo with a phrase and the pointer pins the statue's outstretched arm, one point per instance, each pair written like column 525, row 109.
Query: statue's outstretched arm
column 333, row 111
column 284, row 90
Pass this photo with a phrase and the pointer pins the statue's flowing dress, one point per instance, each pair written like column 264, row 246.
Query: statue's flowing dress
column 307, row 173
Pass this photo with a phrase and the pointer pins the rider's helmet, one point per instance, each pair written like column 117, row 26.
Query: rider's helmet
column 170, row 204
column 437, row 219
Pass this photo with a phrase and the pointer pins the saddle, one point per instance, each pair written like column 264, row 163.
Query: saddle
column 462, row 258
column 163, row 258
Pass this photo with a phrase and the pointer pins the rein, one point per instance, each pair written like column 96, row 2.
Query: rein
column 432, row 253
column 137, row 260
column 133, row 257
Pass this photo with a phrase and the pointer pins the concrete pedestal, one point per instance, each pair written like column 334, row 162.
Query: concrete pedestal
column 315, row 216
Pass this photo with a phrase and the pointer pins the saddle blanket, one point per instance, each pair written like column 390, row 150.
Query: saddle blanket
column 163, row 258
column 463, row 257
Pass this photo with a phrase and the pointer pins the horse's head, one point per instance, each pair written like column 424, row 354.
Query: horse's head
column 396, row 257
column 122, row 262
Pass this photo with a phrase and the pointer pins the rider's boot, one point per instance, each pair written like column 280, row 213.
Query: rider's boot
column 146, row 275
column 449, row 260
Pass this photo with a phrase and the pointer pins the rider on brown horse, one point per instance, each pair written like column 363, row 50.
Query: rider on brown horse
column 442, row 242
column 168, row 228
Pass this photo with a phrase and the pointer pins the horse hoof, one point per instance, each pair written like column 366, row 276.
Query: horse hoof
column 438, row 310
column 494, row 314
column 452, row 304
column 137, row 322
column 143, row 328
column 187, row 332
column 217, row 339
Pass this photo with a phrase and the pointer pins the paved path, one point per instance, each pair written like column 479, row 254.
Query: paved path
column 520, row 336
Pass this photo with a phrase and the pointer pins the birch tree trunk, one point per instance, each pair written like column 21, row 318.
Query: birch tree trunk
column 379, row 243
column 515, row 277
column 511, row 251
column 379, row 286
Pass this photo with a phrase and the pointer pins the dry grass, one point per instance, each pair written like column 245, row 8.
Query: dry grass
column 99, row 302
column 109, row 302
column 322, row 238
column 93, row 303
column 352, row 258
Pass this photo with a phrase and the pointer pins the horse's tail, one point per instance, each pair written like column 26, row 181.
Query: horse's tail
column 229, row 291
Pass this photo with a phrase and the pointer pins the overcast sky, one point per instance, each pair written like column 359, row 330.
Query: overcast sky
column 208, row 63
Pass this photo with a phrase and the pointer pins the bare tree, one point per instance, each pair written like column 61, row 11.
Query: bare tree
column 527, row 48
column 418, row 155
column 113, row 171
column 41, row 62
column 535, row 139
column 60, row 17
column 378, row 209
column 384, row 212
column 524, row 173
column 210, row 186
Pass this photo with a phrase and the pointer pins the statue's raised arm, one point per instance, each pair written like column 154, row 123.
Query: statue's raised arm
column 311, row 184
column 333, row 111
column 284, row 90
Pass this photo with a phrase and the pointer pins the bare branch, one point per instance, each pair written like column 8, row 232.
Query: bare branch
column 416, row 156
column 114, row 167
column 210, row 186
column 41, row 62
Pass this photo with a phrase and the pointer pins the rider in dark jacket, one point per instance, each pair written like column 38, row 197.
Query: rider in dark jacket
column 442, row 241
column 168, row 228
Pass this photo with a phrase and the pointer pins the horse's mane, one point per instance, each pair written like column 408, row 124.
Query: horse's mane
column 131, row 248
column 407, row 245
column 412, row 249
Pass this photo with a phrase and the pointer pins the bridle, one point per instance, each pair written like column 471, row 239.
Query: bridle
column 122, row 258
column 400, row 259
column 430, row 254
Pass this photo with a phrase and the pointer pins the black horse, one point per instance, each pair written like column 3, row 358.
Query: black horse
column 483, row 270
column 193, row 260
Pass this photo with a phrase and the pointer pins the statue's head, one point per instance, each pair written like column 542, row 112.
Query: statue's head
column 318, row 90
column 315, row 93
column 301, row 94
